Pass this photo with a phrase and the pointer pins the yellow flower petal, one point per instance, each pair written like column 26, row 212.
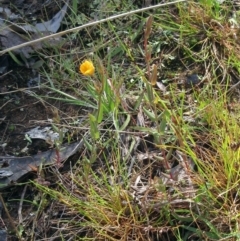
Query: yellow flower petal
column 87, row 68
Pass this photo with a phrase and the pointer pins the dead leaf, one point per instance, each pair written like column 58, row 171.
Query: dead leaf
column 13, row 34
column 16, row 167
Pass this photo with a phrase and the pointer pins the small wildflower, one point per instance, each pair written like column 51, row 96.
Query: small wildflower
column 87, row 68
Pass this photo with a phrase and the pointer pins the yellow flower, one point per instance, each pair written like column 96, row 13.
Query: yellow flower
column 87, row 68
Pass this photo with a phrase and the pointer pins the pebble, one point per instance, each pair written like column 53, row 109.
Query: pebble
column 192, row 80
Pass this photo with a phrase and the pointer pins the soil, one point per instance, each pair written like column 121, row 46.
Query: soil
column 19, row 113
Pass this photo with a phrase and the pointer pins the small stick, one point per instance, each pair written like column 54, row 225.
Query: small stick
column 88, row 25
column 20, row 205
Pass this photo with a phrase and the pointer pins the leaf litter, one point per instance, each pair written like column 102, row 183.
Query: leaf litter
column 13, row 34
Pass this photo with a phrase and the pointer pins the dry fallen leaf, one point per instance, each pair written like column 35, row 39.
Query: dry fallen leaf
column 13, row 34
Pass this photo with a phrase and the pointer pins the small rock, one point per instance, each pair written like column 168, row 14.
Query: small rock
column 192, row 80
